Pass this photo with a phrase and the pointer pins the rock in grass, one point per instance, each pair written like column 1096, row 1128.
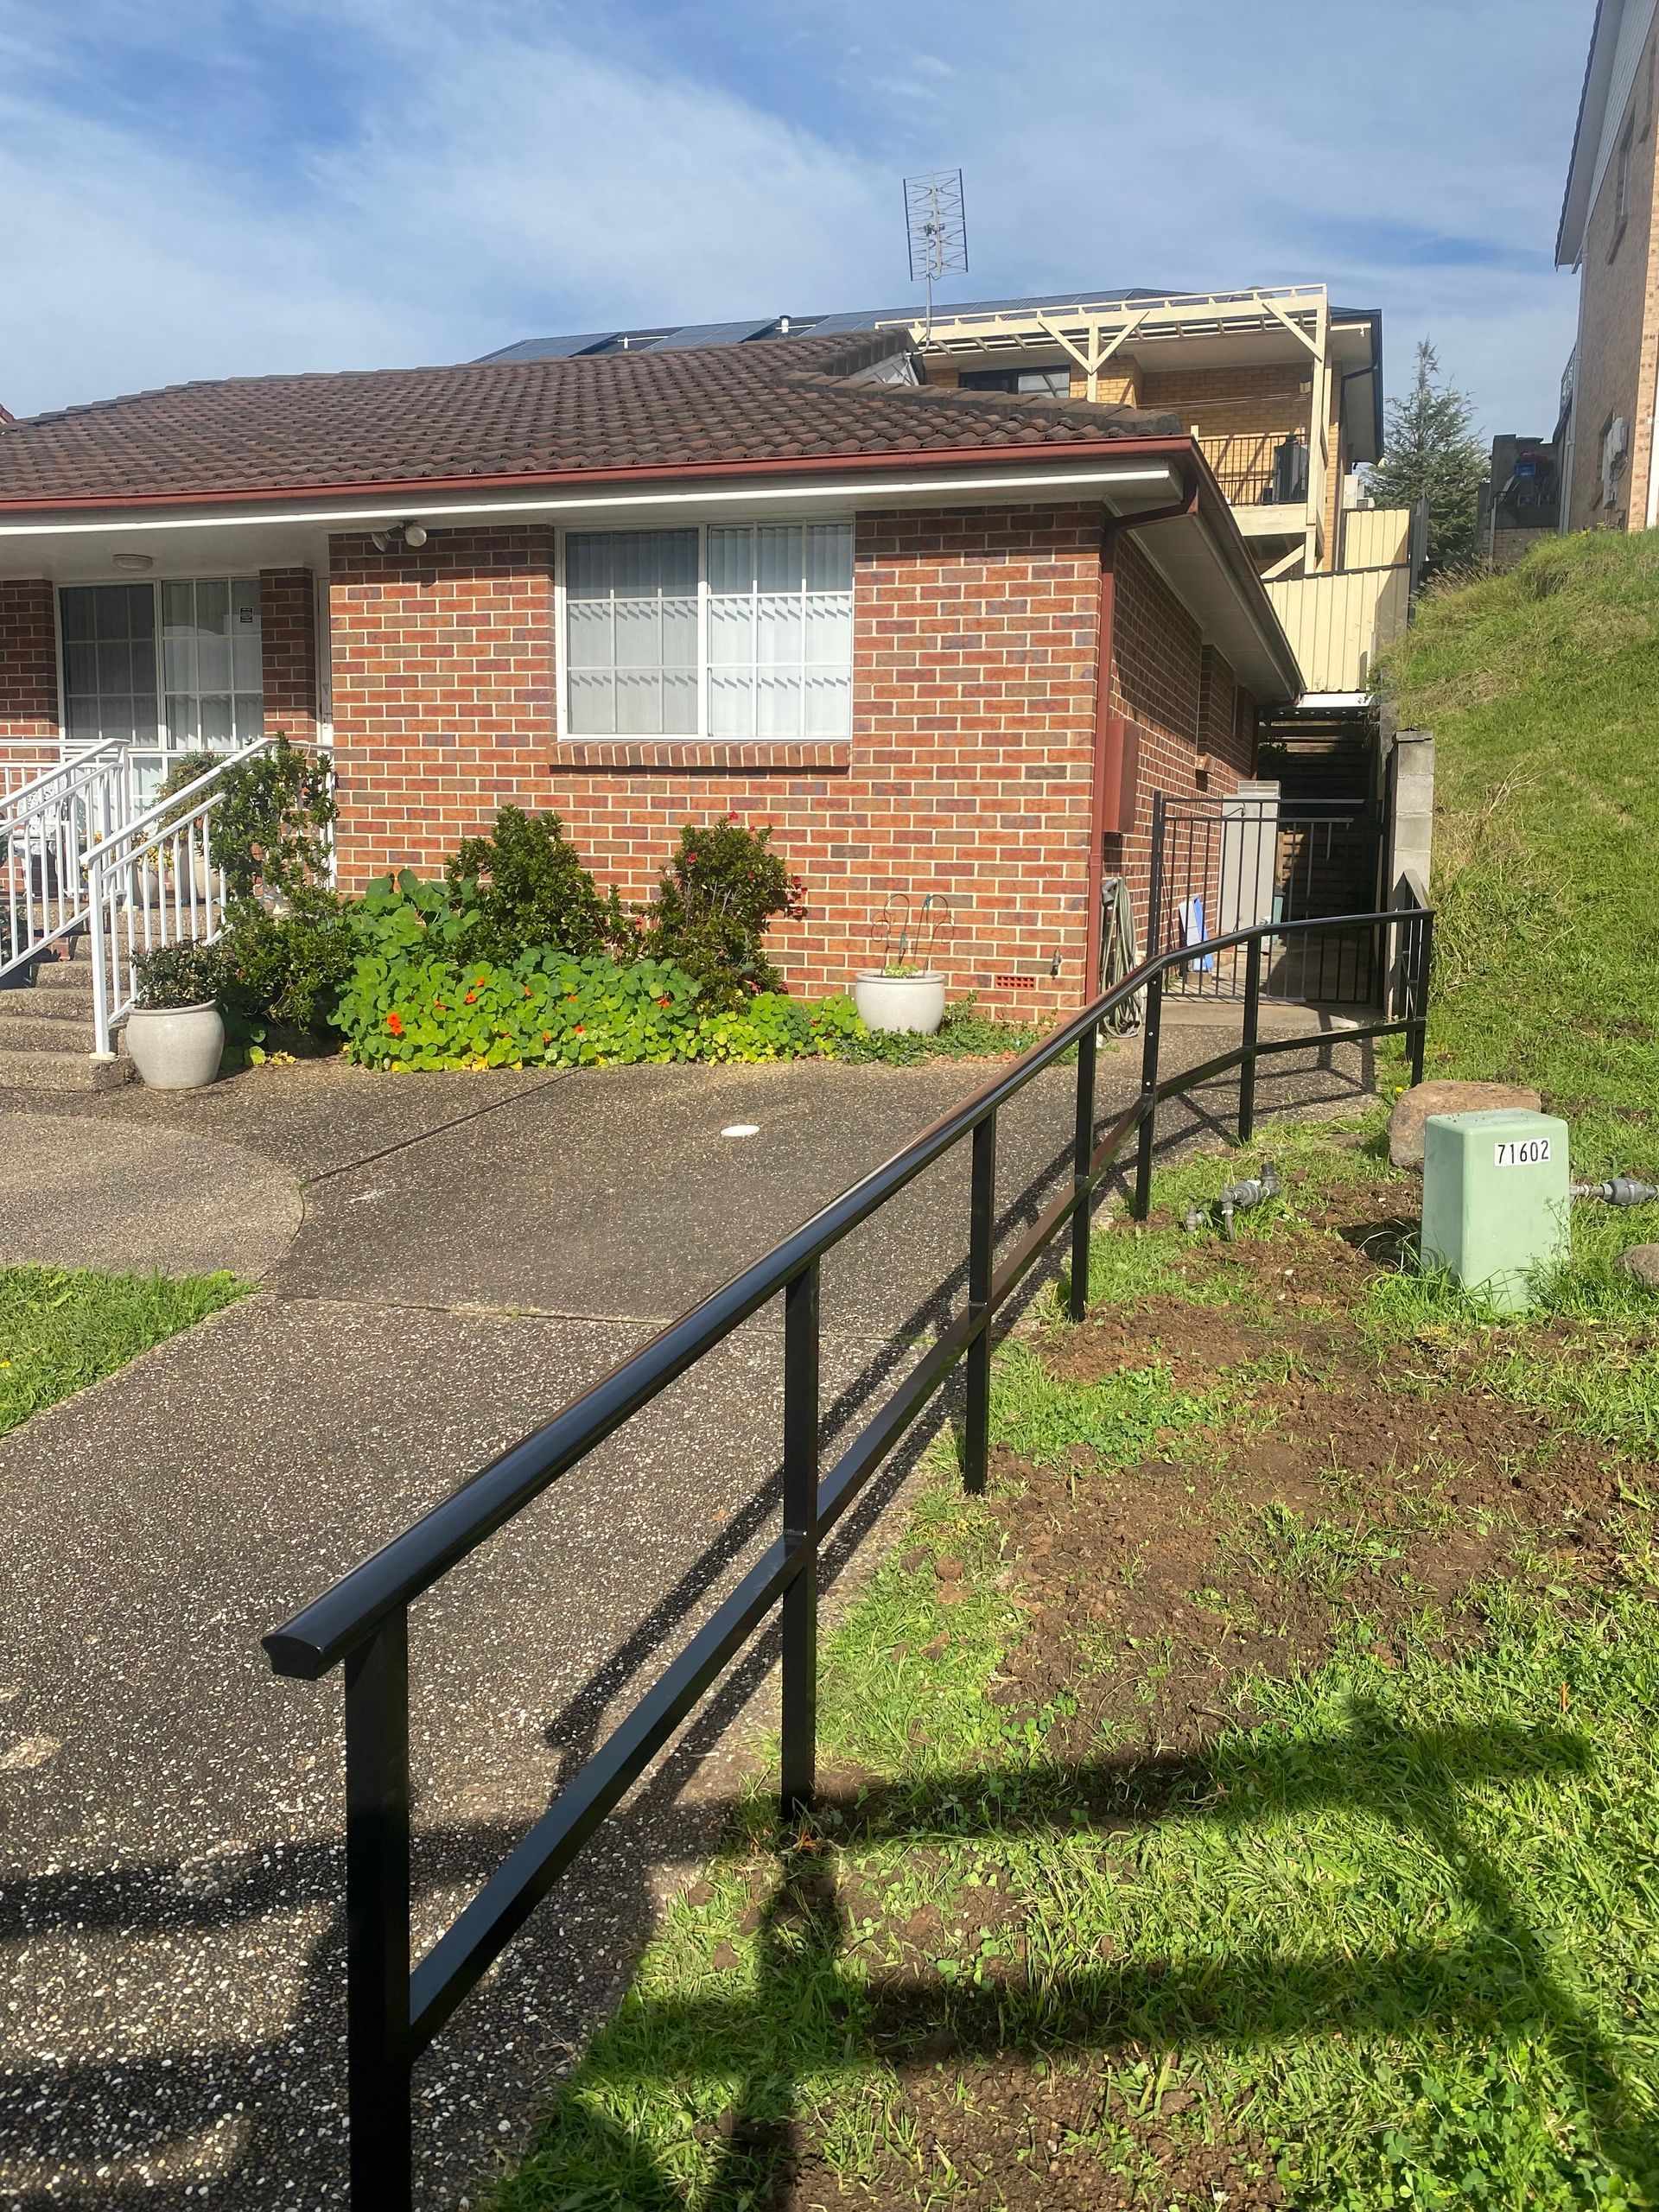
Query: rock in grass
column 1641, row 1263
column 1405, row 1122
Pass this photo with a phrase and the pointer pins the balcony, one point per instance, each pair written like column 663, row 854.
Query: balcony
column 1265, row 470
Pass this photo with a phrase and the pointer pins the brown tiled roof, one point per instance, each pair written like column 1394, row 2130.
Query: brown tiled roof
column 495, row 420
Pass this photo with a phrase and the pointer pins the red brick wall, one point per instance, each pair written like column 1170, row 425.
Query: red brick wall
column 1185, row 696
column 442, row 663
column 29, row 680
column 967, row 772
column 287, row 641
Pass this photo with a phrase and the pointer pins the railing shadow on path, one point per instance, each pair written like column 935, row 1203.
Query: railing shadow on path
column 66, row 2115
column 1501, row 1983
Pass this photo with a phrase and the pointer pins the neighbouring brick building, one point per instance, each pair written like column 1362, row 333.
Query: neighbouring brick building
column 946, row 640
column 1608, row 234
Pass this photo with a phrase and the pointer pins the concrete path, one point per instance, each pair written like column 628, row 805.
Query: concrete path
column 446, row 1260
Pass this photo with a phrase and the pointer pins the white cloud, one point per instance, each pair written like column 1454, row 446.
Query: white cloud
column 198, row 188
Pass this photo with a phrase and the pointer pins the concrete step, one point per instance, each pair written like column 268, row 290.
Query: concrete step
column 44, row 1032
column 43, row 1070
column 66, row 986
column 57, row 998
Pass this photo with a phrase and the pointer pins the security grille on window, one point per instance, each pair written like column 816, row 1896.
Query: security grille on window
column 780, row 631
column 740, row 631
column 202, row 691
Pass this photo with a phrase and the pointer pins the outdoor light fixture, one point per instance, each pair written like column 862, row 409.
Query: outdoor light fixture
column 412, row 534
column 132, row 560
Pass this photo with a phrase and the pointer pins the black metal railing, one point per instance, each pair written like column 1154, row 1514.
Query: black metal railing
column 362, row 1622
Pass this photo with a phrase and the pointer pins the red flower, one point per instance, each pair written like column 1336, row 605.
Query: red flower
column 581, row 1025
column 662, row 1001
column 395, row 1023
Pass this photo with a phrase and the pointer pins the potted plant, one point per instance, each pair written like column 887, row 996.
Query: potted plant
column 906, row 991
column 175, row 1033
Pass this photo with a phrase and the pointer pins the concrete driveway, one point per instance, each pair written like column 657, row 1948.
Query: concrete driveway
column 442, row 1262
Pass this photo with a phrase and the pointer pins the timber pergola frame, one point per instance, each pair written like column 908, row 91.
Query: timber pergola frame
column 1091, row 332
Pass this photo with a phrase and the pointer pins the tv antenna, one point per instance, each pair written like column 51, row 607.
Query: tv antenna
column 937, row 227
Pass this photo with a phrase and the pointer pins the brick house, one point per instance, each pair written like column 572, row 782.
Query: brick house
column 1610, row 393
column 1281, row 388
column 944, row 640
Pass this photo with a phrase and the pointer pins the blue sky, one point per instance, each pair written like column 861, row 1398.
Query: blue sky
column 197, row 189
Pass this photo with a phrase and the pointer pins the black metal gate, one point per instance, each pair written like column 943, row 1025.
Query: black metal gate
column 1230, row 863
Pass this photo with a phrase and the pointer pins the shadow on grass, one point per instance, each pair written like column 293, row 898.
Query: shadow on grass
column 803, row 2013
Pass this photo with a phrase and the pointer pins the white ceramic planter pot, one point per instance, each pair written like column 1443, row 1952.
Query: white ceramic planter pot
column 176, row 1047
column 891, row 1002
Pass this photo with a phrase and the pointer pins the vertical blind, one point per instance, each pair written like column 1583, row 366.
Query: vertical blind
column 779, row 646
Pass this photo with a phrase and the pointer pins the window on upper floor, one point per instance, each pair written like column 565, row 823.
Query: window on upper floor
column 729, row 630
column 1042, row 383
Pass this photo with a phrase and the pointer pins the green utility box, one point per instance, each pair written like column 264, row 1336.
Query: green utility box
column 1495, row 1209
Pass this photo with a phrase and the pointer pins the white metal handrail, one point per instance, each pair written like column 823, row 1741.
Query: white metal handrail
column 154, row 881
column 45, row 824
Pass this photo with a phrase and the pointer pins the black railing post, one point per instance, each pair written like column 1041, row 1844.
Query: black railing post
column 1252, row 1020
column 377, row 1918
column 1083, row 1146
column 1155, row 881
column 1419, row 994
column 1153, row 1025
column 982, row 1246
column 800, row 1610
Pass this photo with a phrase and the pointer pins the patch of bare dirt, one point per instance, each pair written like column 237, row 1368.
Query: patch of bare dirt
column 1022, row 2136
column 1352, row 1487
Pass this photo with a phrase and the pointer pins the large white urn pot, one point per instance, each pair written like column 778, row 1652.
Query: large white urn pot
column 176, row 1047
column 900, row 1002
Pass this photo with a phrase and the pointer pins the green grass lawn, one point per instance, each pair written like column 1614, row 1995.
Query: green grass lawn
column 1251, row 1800
column 62, row 1328
column 1541, row 687
column 1229, row 1808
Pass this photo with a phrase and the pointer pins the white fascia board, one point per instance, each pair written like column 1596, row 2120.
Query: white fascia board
column 1122, row 485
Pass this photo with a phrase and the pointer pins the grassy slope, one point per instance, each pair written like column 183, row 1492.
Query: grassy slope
column 1399, row 1935
column 1401, row 1931
column 1542, row 689
column 63, row 1328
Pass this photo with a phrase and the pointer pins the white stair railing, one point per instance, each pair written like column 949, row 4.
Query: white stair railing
column 152, row 882
column 46, row 825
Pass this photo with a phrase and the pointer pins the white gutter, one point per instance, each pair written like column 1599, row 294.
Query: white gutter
column 411, row 507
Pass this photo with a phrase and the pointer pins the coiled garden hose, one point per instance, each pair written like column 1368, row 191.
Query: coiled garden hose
column 1120, row 953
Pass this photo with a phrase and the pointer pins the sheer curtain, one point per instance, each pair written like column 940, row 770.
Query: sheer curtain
column 779, row 646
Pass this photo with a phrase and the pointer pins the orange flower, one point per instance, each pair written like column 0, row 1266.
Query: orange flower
column 472, row 998
column 395, row 1023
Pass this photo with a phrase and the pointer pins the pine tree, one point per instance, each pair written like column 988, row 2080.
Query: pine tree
column 1432, row 453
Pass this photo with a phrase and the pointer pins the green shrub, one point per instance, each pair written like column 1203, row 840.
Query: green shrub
column 289, row 967
column 524, row 888
column 426, row 1010
column 271, row 824
column 181, row 975
column 710, row 910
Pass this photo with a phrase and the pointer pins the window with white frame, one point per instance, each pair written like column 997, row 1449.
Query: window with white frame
column 729, row 630
column 167, row 668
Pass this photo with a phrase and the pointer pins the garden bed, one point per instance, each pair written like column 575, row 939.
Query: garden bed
column 1248, row 1801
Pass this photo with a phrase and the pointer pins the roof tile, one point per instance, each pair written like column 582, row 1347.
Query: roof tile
column 699, row 407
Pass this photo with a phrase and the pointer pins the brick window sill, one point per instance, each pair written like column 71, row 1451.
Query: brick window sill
column 680, row 756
